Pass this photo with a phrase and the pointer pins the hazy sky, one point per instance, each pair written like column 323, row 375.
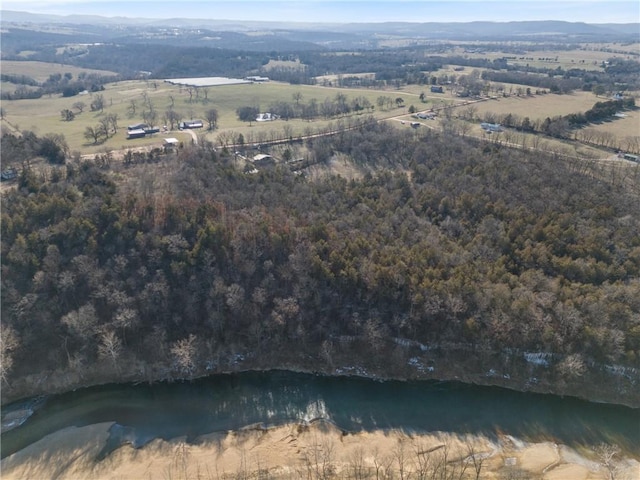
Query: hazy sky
column 592, row 11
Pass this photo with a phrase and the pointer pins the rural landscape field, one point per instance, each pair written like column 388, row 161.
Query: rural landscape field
column 277, row 249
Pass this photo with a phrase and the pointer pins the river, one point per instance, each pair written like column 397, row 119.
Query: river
column 228, row 402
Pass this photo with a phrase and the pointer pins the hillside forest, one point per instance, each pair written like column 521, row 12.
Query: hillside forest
column 447, row 247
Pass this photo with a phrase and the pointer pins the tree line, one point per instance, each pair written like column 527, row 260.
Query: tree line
column 57, row 83
column 564, row 126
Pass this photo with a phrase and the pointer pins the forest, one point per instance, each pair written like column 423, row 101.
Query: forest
column 444, row 242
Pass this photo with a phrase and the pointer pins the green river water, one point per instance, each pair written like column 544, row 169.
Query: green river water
column 227, row 402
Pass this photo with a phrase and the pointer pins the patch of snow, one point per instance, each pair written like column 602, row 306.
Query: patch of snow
column 416, row 363
column 621, row 371
column 357, row 371
column 538, row 358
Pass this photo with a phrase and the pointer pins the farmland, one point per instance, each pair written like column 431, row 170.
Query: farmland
column 42, row 116
column 589, row 57
column 127, row 100
column 539, row 106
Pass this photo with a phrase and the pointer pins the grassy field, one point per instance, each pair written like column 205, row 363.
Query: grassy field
column 540, row 106
column 40, row 71
column 629, row 126
column 588, row 57
column 42, row 116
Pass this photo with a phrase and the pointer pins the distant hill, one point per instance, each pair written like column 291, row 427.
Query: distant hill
column 402, row 29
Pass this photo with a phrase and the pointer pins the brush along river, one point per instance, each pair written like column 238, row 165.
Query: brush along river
column 142, row 413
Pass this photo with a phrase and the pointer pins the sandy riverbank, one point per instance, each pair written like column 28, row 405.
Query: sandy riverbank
column 294, row 451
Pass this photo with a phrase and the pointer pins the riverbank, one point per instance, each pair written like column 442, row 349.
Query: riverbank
column 397, row 359
column 318, row 450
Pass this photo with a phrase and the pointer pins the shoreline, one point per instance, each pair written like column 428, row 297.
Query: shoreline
column 319, row 449
column 338, row 372
column 397, row 360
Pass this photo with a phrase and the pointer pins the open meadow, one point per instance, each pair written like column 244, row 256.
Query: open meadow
column 627, row 126
column 127, row 100
column 43, row 116
column 539, row 106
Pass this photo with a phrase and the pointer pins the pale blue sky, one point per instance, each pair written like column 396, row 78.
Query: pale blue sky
column 591, row 11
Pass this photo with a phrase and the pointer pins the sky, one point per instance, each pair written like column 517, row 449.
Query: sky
column 346, row 11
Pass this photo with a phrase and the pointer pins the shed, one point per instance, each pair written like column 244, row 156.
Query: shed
column 171, row 143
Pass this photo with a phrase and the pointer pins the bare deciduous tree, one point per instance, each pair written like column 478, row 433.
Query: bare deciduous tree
column 474, row 457
column 319, row 459
column 80, row 106
column 357, row 464
column 184, row 354
column 606, row 455
column 110, row 347
column 82, row 322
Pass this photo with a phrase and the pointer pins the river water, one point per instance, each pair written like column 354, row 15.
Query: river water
column 228, row 402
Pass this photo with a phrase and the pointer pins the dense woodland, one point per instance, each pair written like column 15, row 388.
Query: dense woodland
column 446, row 241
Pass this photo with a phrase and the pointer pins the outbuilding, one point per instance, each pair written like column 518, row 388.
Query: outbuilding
column 135, row 133
column 191, row 124
column 170, row 144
